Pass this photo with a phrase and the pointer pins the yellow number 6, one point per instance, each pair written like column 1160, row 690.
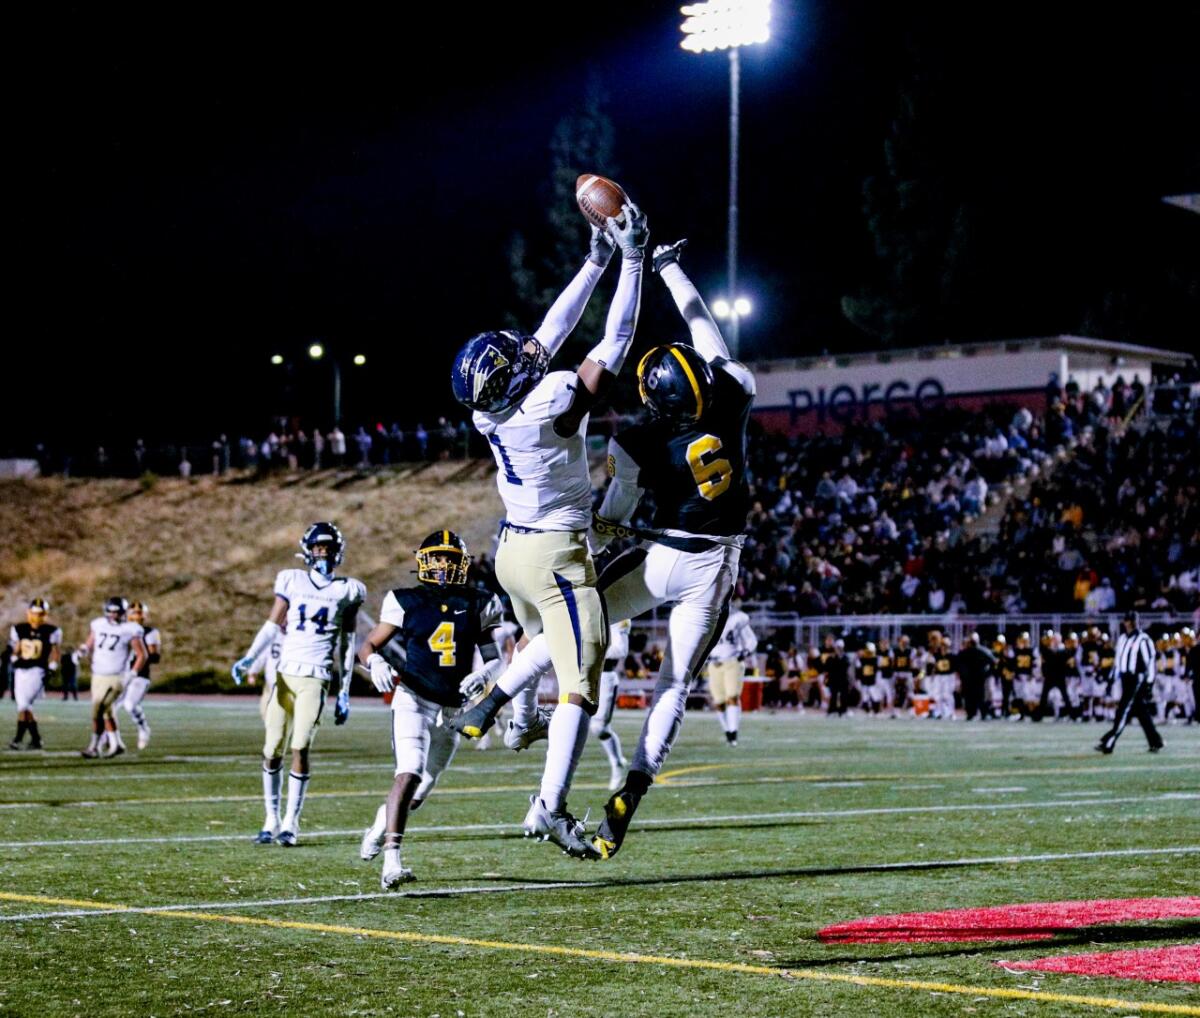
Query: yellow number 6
column 714, row 476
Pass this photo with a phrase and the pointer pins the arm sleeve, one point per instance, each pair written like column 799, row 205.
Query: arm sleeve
column 564, row 313
column 392, row 613
column 747, row 639
column 490, row 614
column 1149, row 651
column 706, row 337
column 619, row 327
column 624, row 492
column 262, row 642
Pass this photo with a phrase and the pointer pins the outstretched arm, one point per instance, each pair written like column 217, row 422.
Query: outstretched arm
column 564, row 313
column 621, row 498
column 603, row 363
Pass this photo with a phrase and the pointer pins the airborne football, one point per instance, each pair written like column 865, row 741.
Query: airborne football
column 636, row 513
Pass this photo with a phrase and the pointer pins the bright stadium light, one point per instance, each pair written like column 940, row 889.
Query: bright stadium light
column 277, row 359
column 741, row 307
column 316, row 351
column 721, row 308
column 725, row 25
column 728, row 25
column 359, row 360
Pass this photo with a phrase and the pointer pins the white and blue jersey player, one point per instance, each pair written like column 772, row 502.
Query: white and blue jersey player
column 691, row 456
column 536, row 424
column 319, row 609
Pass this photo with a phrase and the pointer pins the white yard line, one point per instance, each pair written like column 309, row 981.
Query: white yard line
column 828, row 814
column 561, row 885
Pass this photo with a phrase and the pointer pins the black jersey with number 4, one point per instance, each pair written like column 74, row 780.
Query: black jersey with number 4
column 698, row 476
column 439, row 628
column 33, row 645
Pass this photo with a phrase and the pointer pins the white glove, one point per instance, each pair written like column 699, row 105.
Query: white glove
column 382, row 676
column 475, row 683
column 77, row 656
column 632, row 234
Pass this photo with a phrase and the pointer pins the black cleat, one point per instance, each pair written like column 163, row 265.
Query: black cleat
column 475, row 722
column 618, row 811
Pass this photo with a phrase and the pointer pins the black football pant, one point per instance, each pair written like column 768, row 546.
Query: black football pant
column 1061, row 686
column 839, row 691
column 975, row 698
column 1136, row 702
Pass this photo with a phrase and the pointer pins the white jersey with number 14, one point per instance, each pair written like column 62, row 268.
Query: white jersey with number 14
column 317, row 609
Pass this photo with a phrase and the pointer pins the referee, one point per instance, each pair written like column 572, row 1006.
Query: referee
column 1135, row 668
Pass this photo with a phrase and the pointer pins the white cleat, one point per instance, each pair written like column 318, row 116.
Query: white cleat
column 372, row 839
column 522, row 738
column 395, row 872
column 616, row 778
column 286, row 838
column 112, row 749
column 144, row 737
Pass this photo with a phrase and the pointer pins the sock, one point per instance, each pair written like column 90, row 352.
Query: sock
column 139, row 718
column 297, row 786
column 35, row 736
column 524, row 706
column 272, row 780
column 733, row 715
column 612, row 749
column 568, row 734
column 93, row 742
column 21, row 726
column 528, row 665
column 724, row 721
column 661, row 727
column 638, row 783
column 391, row 854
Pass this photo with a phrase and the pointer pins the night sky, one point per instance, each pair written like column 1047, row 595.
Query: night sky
column 196, row 195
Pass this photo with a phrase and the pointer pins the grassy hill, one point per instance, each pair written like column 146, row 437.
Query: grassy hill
column 204, row 552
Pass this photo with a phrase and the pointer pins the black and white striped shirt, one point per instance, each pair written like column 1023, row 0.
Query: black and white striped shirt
column 1135, row 655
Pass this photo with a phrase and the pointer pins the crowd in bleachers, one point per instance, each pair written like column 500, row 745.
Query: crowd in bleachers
column 874, row 519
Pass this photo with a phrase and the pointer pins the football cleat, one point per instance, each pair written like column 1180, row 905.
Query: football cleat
column 557, row 826
column 264, row 837
column 610, row 835
column 286, row 838
column 113, row 749
column 144, row 737
column 372, row 839
column 617, row 778
column 395, row 873
column 1103, row 746
column 89, row 754
column 475, row 721
column 518, row 739
column 14, row 744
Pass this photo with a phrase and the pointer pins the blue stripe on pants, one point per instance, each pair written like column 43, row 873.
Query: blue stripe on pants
column 568, row 593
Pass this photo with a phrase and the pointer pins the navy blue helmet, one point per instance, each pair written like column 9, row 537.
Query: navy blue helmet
column 117, row 606
column 330, row 537
column 494, row 370
column 675, row 383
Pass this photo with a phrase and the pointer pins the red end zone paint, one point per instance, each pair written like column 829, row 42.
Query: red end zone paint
column 1158, row 964
column 1031, row 921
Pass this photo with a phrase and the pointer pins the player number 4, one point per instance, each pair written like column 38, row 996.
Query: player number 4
column 712, row 476
column 442, row 644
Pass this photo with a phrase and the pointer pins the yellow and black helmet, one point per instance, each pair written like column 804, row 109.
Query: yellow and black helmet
column 675, row 383
column 139, row 612
column 443, row 559
column 38, row 610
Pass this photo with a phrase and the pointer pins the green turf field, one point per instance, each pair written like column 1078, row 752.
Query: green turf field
column 712, row 907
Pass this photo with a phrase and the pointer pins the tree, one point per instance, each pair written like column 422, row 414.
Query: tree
column 582, row 143
column 919, row 228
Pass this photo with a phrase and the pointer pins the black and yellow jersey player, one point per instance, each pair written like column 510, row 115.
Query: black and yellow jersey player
column 437, row 626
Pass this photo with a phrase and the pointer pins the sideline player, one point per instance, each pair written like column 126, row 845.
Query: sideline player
column 36, row 650
column 691, row 456
column 610, row 687
column 319, row 609
column 536, row 424
column 117, row 653
column 438, row 624
column 726, row 671
column 137, row 686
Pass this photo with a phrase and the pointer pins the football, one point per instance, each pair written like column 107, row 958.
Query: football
column 599, row 198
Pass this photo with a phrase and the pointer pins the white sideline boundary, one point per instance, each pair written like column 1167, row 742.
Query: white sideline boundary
column 651, row 822
column 433, row 892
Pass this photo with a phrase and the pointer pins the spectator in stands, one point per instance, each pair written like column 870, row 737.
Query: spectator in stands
column 363, row 441
column 318, row 448
column 422, row 437
column 337, row 446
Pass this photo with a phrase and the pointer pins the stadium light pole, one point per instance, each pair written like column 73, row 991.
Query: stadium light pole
column 317, row 351
column 728, row 25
